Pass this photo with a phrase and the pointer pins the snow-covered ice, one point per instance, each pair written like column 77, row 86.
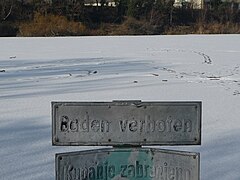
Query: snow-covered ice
column 36, row 71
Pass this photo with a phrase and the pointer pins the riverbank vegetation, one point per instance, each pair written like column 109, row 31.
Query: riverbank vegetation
column 122, row 17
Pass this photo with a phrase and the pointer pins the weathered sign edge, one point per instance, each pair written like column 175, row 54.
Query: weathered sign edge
column 99, row 150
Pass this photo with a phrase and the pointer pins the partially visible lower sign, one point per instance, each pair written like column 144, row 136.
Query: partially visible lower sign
column 126, row 164
column 126, row 123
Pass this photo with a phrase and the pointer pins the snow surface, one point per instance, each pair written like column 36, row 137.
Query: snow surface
column 36, row 71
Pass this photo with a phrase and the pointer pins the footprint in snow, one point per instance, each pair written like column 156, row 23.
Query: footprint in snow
column 12, row 57
column 236, row 93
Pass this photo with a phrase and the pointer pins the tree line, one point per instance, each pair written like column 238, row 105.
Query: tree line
column 104, row 17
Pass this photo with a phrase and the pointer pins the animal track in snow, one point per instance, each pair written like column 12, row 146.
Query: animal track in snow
column 236, row 92
column 207, row 58
column 224, row 76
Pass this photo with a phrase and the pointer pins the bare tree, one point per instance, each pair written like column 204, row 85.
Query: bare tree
column 6, row 7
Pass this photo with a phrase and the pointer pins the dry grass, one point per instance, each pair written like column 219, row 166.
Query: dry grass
column 201, row 28
column 132, row 26
column 51, row 25
column 218, row 28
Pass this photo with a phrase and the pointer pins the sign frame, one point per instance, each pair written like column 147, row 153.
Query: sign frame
column 138, row 105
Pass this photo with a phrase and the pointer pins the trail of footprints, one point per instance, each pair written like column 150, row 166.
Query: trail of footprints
column 228, row 78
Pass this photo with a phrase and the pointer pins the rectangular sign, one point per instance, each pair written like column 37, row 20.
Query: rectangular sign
column 126, row 164
column 126, row 123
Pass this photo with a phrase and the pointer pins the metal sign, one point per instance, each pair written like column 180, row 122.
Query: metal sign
column 124, row 164
column 126, row 123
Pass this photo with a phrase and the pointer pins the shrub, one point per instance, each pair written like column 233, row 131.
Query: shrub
column 132, row 26
column 176, row 30
column 205, row 28
column 218, row 28
column 51, row 25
